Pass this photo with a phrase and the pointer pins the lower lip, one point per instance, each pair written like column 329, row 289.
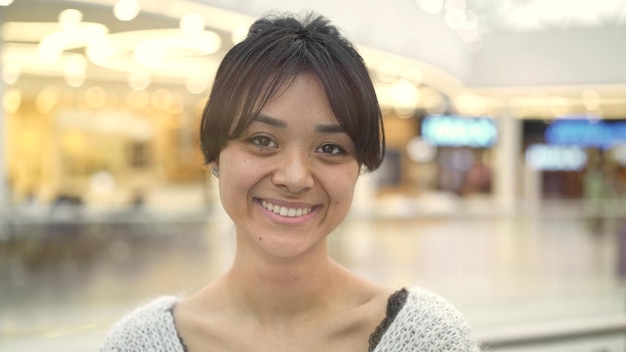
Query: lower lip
column 285, row 220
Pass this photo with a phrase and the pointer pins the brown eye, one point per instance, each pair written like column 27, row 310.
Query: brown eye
column 331, row 149
column 263, row 141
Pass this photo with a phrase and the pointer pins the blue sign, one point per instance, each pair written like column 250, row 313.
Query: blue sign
column 556, row 157
column 585, row 133
column 459, row 131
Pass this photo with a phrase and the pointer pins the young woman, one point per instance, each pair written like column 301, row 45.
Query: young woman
column 291, row 122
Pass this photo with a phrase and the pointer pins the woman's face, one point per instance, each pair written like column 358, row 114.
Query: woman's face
column 288, row 180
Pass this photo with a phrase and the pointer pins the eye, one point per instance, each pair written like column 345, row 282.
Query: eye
column 331, row 149
column 263, row 141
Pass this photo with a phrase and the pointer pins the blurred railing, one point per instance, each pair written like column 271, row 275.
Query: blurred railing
column 539, row 334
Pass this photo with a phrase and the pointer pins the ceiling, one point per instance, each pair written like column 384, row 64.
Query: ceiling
column 501, row 53
column 546, row 15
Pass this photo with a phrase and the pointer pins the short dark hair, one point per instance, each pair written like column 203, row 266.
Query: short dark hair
column 277, row 49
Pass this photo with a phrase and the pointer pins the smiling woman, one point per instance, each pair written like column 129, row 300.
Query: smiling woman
column 291, row 122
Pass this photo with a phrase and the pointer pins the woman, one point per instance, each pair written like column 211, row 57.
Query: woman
column 291, row 122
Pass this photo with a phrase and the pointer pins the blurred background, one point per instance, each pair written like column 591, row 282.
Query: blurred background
column 503, row 189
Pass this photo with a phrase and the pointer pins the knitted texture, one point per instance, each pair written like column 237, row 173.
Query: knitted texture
column 426, row 323
column 149, row 328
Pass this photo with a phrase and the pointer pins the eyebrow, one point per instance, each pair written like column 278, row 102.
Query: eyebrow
column 329, row 128
column 270, row 121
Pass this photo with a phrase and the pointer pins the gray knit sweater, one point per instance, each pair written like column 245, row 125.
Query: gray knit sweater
column 425, row 323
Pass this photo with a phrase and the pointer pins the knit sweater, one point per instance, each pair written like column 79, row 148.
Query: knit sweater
column 425, row 323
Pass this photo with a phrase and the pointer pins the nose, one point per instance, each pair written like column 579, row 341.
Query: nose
column 293, row 172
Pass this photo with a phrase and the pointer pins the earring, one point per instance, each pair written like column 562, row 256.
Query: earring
column 215, row 171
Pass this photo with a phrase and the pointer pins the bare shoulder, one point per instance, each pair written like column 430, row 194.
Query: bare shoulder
column 374, row 296
column 368, row 300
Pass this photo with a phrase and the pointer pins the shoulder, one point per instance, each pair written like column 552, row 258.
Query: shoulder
column 149, row 327
column 428, row 322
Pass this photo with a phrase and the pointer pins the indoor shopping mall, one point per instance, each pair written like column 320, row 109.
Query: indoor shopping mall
column 502, row 189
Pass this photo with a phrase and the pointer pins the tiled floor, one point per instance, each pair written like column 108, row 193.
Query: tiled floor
column 63, row 284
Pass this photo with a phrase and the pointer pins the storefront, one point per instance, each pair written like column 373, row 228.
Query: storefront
column 91, row 146
column 577, row 157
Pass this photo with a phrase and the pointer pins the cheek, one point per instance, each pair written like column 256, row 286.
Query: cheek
column 235, row 165
column 237, row 175
column 342, row 188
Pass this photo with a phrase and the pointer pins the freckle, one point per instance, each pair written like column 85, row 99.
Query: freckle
column 260, row 238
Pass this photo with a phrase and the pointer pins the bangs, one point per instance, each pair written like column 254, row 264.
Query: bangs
column 271, row 57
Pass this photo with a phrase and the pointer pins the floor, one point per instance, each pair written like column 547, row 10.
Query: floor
column 65, row 281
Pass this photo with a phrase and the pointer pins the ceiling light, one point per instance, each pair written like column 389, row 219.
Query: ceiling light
column 406, row 98
column 590, row 99
column 420, row 150
column 432, row 7
column 192, row 24
column 47, row 99
column 455, row 18
column 27, row 32
column 387, row 71
column 138, row 80
column 435, row 104
column 412, row 74
column 471, row 20
column 197, row 84
column 11, row 73
column 154, row 52
column 455, row 5
column 126, row 10
column 70, row 18
column 75, row 70
column 52, row 45
column 11, row 100
column 159, row 52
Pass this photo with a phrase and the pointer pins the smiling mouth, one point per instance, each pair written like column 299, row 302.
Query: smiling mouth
column 284, row 211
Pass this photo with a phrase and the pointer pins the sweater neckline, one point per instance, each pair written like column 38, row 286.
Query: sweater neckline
column 395, row 303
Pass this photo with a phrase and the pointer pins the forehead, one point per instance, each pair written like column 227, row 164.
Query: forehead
column 302, row 99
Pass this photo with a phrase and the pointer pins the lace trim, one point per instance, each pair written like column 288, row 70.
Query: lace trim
column 394, row 304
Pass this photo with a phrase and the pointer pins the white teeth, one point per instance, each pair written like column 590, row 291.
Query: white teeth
column 283, row 211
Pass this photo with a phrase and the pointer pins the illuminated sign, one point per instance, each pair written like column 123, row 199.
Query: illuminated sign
column 555, row 157
column 582, row 132
column 458, row 131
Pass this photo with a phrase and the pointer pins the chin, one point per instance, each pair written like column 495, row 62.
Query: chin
column 290, row 248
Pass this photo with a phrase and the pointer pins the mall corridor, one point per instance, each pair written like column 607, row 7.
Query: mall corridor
column 507, row 273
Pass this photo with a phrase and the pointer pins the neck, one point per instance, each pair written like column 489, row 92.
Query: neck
column 282, row 290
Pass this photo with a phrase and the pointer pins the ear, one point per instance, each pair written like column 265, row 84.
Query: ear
column 215, row 169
